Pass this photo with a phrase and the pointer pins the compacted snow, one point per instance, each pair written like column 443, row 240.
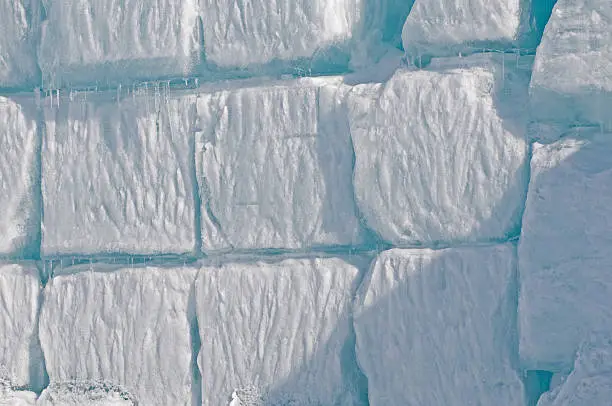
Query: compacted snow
column 118, row 176
column 438, row 327
column 19, row 25
column 275, row 331
column 572, row 75
column 446, row 27
column 441, row 153
column 121, row 326
column 275, row 167
column 102, row 41
column 19, row 352
column 564, row 253
column 19, row 216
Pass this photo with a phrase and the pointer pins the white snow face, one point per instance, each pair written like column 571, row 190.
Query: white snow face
column 437, row 327
column 118, row 177
column 127, row 327
column 275, row 332
column 100, row 41
column 572, row 78
column 18, row 29
column 446, row 27
column 19, row 216
column 441, row 154
column 237, row 34
column 19, row 290
column 565, row 250
column 275, row 168
column 590, row 382
column 10, row 397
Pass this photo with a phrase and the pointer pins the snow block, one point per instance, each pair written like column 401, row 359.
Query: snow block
column 274, row 333
column 19, row 350
column 118, row 176
column 19, row 217
column 19, row 25
column 590, row 382
column 448, row 27
column 121, row 326
column 275, row 167
column 438, row 327
column 10, row 397
column 565, row 250
column 441, row 154
column 572, row 81
column 238, row 34
column 105, row 41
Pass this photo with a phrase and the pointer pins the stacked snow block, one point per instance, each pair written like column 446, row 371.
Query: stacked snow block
column 572, row 76
column 440, row 153
column 19, row 30
column 126, row 330
column 20, row 214
column 117, row 176
column 274, row 167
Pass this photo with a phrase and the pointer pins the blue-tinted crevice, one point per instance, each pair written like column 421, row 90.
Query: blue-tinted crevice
column 536, row 383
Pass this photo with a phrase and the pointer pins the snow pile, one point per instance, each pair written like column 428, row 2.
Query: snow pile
column 275, row 167
column 100, row 41
column 590, row 383
column 441, row 28
column 572, row 75
column 19, row 352
column 118, row 176
column 441, row 154
column 438, row 327
column 19, row 24
column 278, row 327
column 128, row 327
column 19, row 218
column 564, row 253
column 85, row 393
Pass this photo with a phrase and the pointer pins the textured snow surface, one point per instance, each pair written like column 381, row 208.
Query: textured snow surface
column 118, row 176
column 128, row 327
column 275, row 167
column 277, row 329
column 444, row 27
column 18, row 138
column 572, row 75
column 437, row 327
column 239, row 33
column 19, row 23
column 10, row 397
column 565, row 251
column 590, row 383
column 19, row 290
column 84, row 393
column 441, row 153
column 110, row 40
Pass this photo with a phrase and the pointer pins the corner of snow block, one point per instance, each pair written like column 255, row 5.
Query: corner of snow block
column 20, row 215
column 275, row 332
column 274, row 166
column 117, row 175
column 136, row 325
column 565, row 250
column 571, row 80
column 441, row 154
column 450, row 27
column 19, row 351
column 438, row 327
column 19, row 28
column 103, row 42
column 590, row 382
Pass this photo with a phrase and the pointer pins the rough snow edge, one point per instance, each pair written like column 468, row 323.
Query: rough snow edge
column 81, row 392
